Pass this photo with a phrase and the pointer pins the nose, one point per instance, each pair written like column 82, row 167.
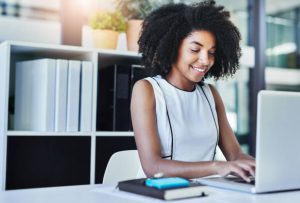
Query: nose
column 204, row 58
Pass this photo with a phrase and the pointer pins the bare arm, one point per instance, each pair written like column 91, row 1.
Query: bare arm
column 145, row 129
column 227, row 141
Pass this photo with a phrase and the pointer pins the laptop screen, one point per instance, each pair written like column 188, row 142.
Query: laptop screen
column 278, row 141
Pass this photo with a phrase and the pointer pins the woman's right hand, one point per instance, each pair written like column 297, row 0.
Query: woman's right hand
column 242, row 168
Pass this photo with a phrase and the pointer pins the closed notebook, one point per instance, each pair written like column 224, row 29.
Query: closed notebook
column 61, row 90
column 73, row 96
column 86, row 96
column 35, row 95
column 138, row 186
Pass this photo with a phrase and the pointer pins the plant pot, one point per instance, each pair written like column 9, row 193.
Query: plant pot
column 106, row 39
column 133, row 33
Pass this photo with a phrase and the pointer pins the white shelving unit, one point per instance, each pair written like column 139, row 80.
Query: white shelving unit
column 13, row 51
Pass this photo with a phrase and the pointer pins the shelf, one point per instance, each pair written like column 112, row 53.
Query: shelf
column 117, row 52
column 31, row 133
column 114, row 133
column 28, row 47
column 111, row 57
column 102, row 133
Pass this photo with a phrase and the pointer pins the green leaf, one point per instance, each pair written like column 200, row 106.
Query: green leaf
column 108, row 20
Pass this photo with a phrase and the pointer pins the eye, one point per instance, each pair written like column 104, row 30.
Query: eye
column 212, row 53
column 195, row 50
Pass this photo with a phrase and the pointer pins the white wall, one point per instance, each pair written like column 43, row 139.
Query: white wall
column 30, row 30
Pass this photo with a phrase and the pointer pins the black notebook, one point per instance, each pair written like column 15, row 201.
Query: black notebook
column 138, row 186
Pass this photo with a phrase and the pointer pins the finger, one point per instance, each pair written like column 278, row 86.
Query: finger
column 247, row 168
column 246, row 165
column 240, row 172
column 252, row 172
column 248, row 162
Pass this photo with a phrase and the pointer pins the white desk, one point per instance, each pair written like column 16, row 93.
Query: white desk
column 101, row 194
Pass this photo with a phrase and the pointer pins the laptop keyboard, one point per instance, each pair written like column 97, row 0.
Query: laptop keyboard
column 240, row 180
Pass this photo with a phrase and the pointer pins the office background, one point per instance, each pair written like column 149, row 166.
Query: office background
column 272, row 27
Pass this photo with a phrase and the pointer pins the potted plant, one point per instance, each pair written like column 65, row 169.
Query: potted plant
column 135, row 11
column 106, row 26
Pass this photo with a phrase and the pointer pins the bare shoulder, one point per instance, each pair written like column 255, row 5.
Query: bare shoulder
column 142, row 88
column 142, row 85
column 216, row 95
column 214, row 91
column 142, row 94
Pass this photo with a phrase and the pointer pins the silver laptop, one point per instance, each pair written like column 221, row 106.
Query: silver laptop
column 277, row 146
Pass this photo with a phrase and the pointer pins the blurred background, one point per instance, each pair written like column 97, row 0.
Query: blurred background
column 270, row 27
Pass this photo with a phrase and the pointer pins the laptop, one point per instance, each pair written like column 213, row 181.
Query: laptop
column 277, row 146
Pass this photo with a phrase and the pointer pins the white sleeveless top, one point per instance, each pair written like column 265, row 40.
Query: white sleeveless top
column 193, row 121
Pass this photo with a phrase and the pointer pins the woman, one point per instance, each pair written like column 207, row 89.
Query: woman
column 178, row 119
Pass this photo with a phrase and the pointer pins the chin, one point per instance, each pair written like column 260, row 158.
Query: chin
column 197, row 78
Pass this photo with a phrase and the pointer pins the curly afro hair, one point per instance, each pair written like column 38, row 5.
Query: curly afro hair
column 165, row 28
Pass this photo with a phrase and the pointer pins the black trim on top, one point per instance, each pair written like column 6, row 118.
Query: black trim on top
column 193, row 90
column 171, row 156
column 214, row 118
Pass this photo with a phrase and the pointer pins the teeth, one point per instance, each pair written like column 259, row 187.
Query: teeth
column 198, row 69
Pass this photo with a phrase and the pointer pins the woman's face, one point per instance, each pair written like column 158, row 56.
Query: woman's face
column 196, row 55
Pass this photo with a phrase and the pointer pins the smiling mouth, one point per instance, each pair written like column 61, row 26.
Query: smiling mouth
column 201, row 70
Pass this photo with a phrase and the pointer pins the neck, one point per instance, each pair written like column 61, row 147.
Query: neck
column 180, row 82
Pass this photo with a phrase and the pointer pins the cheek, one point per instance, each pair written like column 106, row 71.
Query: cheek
column 212, row 61
column 190, row 58
column 185, row 59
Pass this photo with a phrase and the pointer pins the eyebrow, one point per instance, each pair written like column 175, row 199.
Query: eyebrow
column 201, row 45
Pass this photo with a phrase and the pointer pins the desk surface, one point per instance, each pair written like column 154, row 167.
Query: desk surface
column 101, row 193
